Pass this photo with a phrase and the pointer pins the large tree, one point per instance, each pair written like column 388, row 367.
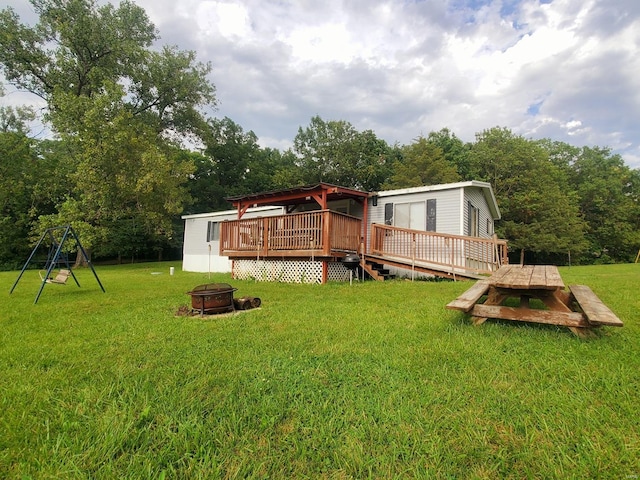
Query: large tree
column 117, row 103
column 335, row 152
column 234, row 164
column 609, row 198
column 122, row 175
column 18, row 171
column 455, row 151
column 421, row 163
column 539, row 208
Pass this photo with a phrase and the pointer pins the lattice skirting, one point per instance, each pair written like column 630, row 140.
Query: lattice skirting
column 288, row 271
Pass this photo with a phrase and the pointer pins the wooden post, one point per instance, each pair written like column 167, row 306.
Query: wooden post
column 365, row 225
column 326, row 231
column 265, row 236
column 413, row 256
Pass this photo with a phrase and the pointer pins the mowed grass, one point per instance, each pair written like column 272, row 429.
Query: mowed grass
column 372, row 380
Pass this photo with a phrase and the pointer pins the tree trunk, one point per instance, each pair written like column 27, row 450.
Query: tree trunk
column 80, row 260
column 522, row 256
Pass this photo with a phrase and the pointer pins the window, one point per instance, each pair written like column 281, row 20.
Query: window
column 213, row 232
column 410, row 215
column 388, row 213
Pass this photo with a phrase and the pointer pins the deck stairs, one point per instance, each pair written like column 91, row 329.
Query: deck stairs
column 376, row 270
column 376, row 267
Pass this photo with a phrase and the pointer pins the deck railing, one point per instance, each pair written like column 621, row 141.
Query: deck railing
column 318, row 233
column 455, row 252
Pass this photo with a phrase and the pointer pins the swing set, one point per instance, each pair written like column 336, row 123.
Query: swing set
column 57, row 257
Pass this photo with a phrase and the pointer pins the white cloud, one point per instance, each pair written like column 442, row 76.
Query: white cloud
column 565, row 69
column 231, row 20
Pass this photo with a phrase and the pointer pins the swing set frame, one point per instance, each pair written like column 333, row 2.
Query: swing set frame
column 55, row 258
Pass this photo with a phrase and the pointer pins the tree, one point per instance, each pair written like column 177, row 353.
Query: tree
column 122, row 174
column 117, row 105
column 76, row 46
column 227, row 167
column 455, row 151
column 17, row 177
column 335, row 152
column 608, row 193
column 421, row 163
column 234, row 164
column 540, row 211
column 283, row 168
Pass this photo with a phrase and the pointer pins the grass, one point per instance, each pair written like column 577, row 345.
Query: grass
column 373, row 380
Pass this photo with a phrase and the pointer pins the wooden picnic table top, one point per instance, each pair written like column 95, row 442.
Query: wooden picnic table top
column 527, row 277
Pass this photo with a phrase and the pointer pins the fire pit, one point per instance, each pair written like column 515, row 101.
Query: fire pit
column 212, row 298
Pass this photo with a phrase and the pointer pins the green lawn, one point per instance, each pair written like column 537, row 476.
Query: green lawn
column 373, row 380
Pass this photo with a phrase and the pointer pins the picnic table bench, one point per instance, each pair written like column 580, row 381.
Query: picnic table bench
column 579, row 309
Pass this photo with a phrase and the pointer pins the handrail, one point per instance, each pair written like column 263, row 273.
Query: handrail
column 319, row 233
column 456, row 252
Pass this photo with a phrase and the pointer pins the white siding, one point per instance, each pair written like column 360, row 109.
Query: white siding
column 447, row 209
column 478, row 200
column 198, row 255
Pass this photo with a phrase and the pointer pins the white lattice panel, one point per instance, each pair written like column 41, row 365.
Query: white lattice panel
column 289, row 271
column 337, row 272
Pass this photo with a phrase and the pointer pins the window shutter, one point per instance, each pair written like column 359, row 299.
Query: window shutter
column 431, row 215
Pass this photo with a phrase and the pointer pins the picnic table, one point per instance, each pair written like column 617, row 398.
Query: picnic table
column 540, row 296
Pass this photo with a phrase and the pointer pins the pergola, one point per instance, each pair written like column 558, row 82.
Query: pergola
column 291, row 198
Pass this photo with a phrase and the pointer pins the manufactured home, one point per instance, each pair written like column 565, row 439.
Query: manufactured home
column 201, row 247
column 447, row 226
column 444, row 230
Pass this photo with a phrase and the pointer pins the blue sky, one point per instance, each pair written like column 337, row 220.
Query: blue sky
column 561, row 69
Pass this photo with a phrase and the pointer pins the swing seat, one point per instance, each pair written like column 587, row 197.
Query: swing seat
column 60, row 278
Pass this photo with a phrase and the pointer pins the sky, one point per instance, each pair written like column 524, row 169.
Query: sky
column 568, row 70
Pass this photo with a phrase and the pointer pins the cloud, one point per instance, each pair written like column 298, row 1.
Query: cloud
column 563, row 69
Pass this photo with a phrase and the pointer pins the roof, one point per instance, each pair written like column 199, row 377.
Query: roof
column 232, row 213
column 485, row 187
column 318, row 193
column 314, row 194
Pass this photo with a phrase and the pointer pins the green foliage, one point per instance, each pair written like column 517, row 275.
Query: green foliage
column 373, row 380
column 608, row 193
column 455, row 151
column 119, row 109
column 421, row 163
column 77, row 46
column 233, row 164
column 167, row 88
column 539, row 209
column 17, row 171
column 335, row 152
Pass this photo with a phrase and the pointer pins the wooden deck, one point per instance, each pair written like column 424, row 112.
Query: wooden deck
column 326, row 234
column 319, row 234
column 451, row 254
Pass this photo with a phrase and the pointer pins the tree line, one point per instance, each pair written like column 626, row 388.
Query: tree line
column 132, row 151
